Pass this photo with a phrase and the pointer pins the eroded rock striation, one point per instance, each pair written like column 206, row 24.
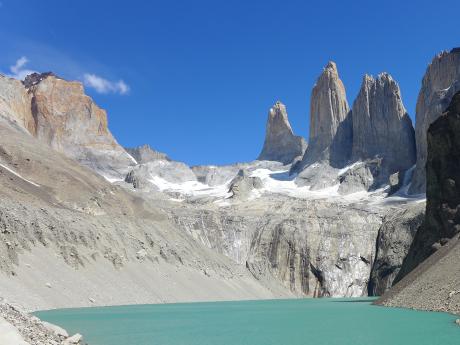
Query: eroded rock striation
column 442, row 218
column 70, row 122
column 393, row 242
column 381, row 126
column 440, row 83
column 280, row 142
column 330, row 130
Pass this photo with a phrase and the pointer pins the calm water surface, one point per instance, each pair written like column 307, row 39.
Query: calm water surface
column 280, row 322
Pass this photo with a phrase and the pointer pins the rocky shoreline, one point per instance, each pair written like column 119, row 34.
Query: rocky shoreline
column 25, row 329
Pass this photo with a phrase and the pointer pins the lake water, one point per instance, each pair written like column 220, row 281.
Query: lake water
column 280, row 322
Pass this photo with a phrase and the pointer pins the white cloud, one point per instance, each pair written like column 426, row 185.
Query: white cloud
column 105, row 86
column 18, row 71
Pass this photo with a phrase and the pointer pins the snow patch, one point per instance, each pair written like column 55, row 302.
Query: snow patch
column 191, row 188
column 9, row 334
column 17, row 175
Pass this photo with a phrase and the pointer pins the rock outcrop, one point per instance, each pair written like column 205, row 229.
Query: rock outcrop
column 144, row 154
column 440, row 83
column 330, row 126
column 70, row 122
column 15, row 104
column 381, row 126
column 280, row 142
column 442, row 218
column 32, row 330
column 393, row 241
column 243, row 184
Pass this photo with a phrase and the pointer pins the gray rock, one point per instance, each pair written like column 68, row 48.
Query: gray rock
column 144, row 154
column 359, row 177
column 395, row 181
column 440, row 83
column 330, row 130
column 216, row 175
column 55, row 329
column 393, row 242
column 74, row 339
column 280, row 142
column 242, row 185
column 381, row 126
column 442, row 218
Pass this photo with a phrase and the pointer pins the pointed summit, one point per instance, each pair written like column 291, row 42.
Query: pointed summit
column 328, row 111
column 280, row 142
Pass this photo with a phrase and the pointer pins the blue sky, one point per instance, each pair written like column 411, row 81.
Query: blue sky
column 195, row 79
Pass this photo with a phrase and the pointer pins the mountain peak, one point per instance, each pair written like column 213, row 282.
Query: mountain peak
column 280, row 142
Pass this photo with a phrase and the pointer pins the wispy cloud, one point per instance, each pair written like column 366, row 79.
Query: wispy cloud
column 18, row 70
column 105, row 86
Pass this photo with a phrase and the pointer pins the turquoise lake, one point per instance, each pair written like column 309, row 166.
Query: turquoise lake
column 324, row 321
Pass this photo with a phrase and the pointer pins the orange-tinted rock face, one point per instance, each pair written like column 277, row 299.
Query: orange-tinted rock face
column 59, row 113
column 65, row 116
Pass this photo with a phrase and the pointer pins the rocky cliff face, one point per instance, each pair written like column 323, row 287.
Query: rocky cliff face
column 70, row 122
column 145, row 154
column 440, row 83
column 393, row 242
column 280, row 142
column 429, row 278
column 330, row 131
column 15, row 104
column 381, row 126
column 442, row 218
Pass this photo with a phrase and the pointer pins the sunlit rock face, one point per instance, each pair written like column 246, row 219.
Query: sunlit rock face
column 70, row 122
column 15, row 104
column 280, row 142
column 440, row 83
column 330, row 132
column 381, row 126
column 144, row 154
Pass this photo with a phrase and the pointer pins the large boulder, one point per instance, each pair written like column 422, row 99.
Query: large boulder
column 280, row 142
column 440, row 83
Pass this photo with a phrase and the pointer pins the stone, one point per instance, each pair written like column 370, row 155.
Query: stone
column 55, row 329
column 395, row 181
column 243, row 184
column 381, row 125
column 330, row 130
column 457, row 322
column 440, row 82
column 280, row 142
column 360, row 177
column 74, row 339
column 443, row 188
